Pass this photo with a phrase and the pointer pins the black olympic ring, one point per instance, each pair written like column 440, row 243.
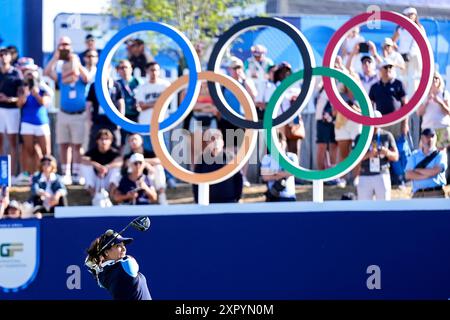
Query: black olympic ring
column 308, row 64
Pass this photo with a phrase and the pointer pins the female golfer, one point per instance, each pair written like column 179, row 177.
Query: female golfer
column 114, row 270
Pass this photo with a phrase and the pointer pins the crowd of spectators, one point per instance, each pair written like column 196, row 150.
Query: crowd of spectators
column 123, row 166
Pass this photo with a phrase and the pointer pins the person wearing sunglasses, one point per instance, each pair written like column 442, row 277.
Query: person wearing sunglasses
column 388, row 95
column 136, row 187
column 90, row 61
column 65, row 68
column 47, row 189
column 91, row 45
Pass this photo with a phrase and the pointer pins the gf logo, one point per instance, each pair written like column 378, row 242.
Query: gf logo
column 8, row 249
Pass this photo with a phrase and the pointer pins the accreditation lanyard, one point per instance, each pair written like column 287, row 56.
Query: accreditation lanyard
column 375, row 163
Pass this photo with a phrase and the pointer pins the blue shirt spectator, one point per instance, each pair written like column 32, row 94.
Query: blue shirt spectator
column 33, row 112
column 426, row 167
column 434, row 181
column 73, row 96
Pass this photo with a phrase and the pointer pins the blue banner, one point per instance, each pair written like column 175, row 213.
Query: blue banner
column 5, row 171
column 312, row 255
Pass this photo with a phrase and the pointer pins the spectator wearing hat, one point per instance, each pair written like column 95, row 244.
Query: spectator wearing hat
column 136, row 186
column 375, row 179
column 35, row 128
column 389, row 53
column 236, row 71
column 10, row 83
column 26, row 65
column 152, row 167
column 366, row 71
column 12, row 211
column 368, row 76
column 139, row 58
column 410, row 52
column 426, row 168
column 47, row 189
column 72, row 79
column 102, row 163
column 257, row 68
column 388, row 95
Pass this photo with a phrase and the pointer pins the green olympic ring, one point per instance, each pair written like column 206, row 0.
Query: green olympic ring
column 358, row 151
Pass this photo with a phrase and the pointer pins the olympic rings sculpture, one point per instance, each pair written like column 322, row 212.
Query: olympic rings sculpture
column 250, row 121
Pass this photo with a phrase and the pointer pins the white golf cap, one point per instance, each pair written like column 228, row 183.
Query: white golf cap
column 137, row 157
column 236, row 62
column 386, row 62
column 409, row 10
column 388, row 42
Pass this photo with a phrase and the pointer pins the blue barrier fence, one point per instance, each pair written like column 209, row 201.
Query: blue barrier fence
column 268, row 255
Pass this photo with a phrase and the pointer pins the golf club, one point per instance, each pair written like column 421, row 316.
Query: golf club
column 140, row 223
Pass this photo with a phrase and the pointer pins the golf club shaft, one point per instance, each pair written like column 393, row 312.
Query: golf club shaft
column 118, row 234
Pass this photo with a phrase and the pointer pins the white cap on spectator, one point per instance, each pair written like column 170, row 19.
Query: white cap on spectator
column 14, row 204
column 386, row 62
column 26, row 63
column 236, row 62
column 388, row 42
column 258, row 49
column 137, row 157
column 409, row 11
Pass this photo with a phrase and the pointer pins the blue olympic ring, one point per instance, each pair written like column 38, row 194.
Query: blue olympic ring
column 106, row 55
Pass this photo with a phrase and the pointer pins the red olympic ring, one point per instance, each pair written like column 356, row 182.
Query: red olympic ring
column 426, row 76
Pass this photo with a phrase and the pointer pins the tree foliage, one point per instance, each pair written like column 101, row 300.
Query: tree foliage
column 197, row 19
